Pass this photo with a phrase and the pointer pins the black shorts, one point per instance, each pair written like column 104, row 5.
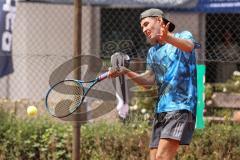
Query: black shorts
column 177, row 125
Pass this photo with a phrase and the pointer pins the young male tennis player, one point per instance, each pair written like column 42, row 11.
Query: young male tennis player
column 171, row 64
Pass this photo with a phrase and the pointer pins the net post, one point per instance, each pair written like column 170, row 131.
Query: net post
column 77, row 73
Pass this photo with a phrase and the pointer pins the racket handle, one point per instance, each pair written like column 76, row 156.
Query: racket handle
column 103, row 76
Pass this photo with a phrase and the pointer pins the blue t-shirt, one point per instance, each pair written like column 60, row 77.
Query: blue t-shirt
column 175, row 74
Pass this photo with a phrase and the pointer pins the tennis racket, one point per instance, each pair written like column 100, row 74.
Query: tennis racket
column 66, row 96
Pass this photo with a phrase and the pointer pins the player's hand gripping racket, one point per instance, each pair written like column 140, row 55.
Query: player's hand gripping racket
column 66, row 96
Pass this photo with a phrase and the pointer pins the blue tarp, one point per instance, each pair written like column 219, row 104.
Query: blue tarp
column 129, row 3
column 7, row 15
column 219, row 6
column 146, row 3
column 216, row 6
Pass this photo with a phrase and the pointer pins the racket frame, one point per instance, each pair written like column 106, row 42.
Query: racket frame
column 80, row 84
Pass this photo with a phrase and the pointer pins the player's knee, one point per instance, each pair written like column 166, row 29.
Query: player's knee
column 165, row 155
column 160, row 156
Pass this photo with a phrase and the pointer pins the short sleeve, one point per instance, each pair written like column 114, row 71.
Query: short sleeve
column 187, row 35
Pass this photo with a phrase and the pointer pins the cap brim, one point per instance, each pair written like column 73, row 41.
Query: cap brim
column 171, row 25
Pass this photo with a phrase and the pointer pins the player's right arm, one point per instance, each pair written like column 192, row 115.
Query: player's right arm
column 144, row 79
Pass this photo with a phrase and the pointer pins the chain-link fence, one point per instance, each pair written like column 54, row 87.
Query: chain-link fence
column 222, row 46
column 43, row 40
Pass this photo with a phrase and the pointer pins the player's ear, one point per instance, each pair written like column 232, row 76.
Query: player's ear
column 159, row 19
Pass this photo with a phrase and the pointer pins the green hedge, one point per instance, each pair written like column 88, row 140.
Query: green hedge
column 41, row 138
column 33, row 138
column 215, row 142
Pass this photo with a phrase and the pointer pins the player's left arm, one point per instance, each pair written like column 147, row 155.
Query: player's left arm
column 185, row 45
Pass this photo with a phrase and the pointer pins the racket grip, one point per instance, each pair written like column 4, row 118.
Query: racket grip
column 103, row 76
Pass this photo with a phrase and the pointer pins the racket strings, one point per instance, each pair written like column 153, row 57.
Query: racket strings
column 64, row 98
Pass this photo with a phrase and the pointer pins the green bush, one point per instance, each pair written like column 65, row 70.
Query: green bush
column 33, row 138
column 114, row 141
column 208, row 91
column 143, row 101
column 215, row 142
column 42, row 138
column 231, row 85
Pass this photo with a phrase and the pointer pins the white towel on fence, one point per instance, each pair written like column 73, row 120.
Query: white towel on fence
column 118, row 59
